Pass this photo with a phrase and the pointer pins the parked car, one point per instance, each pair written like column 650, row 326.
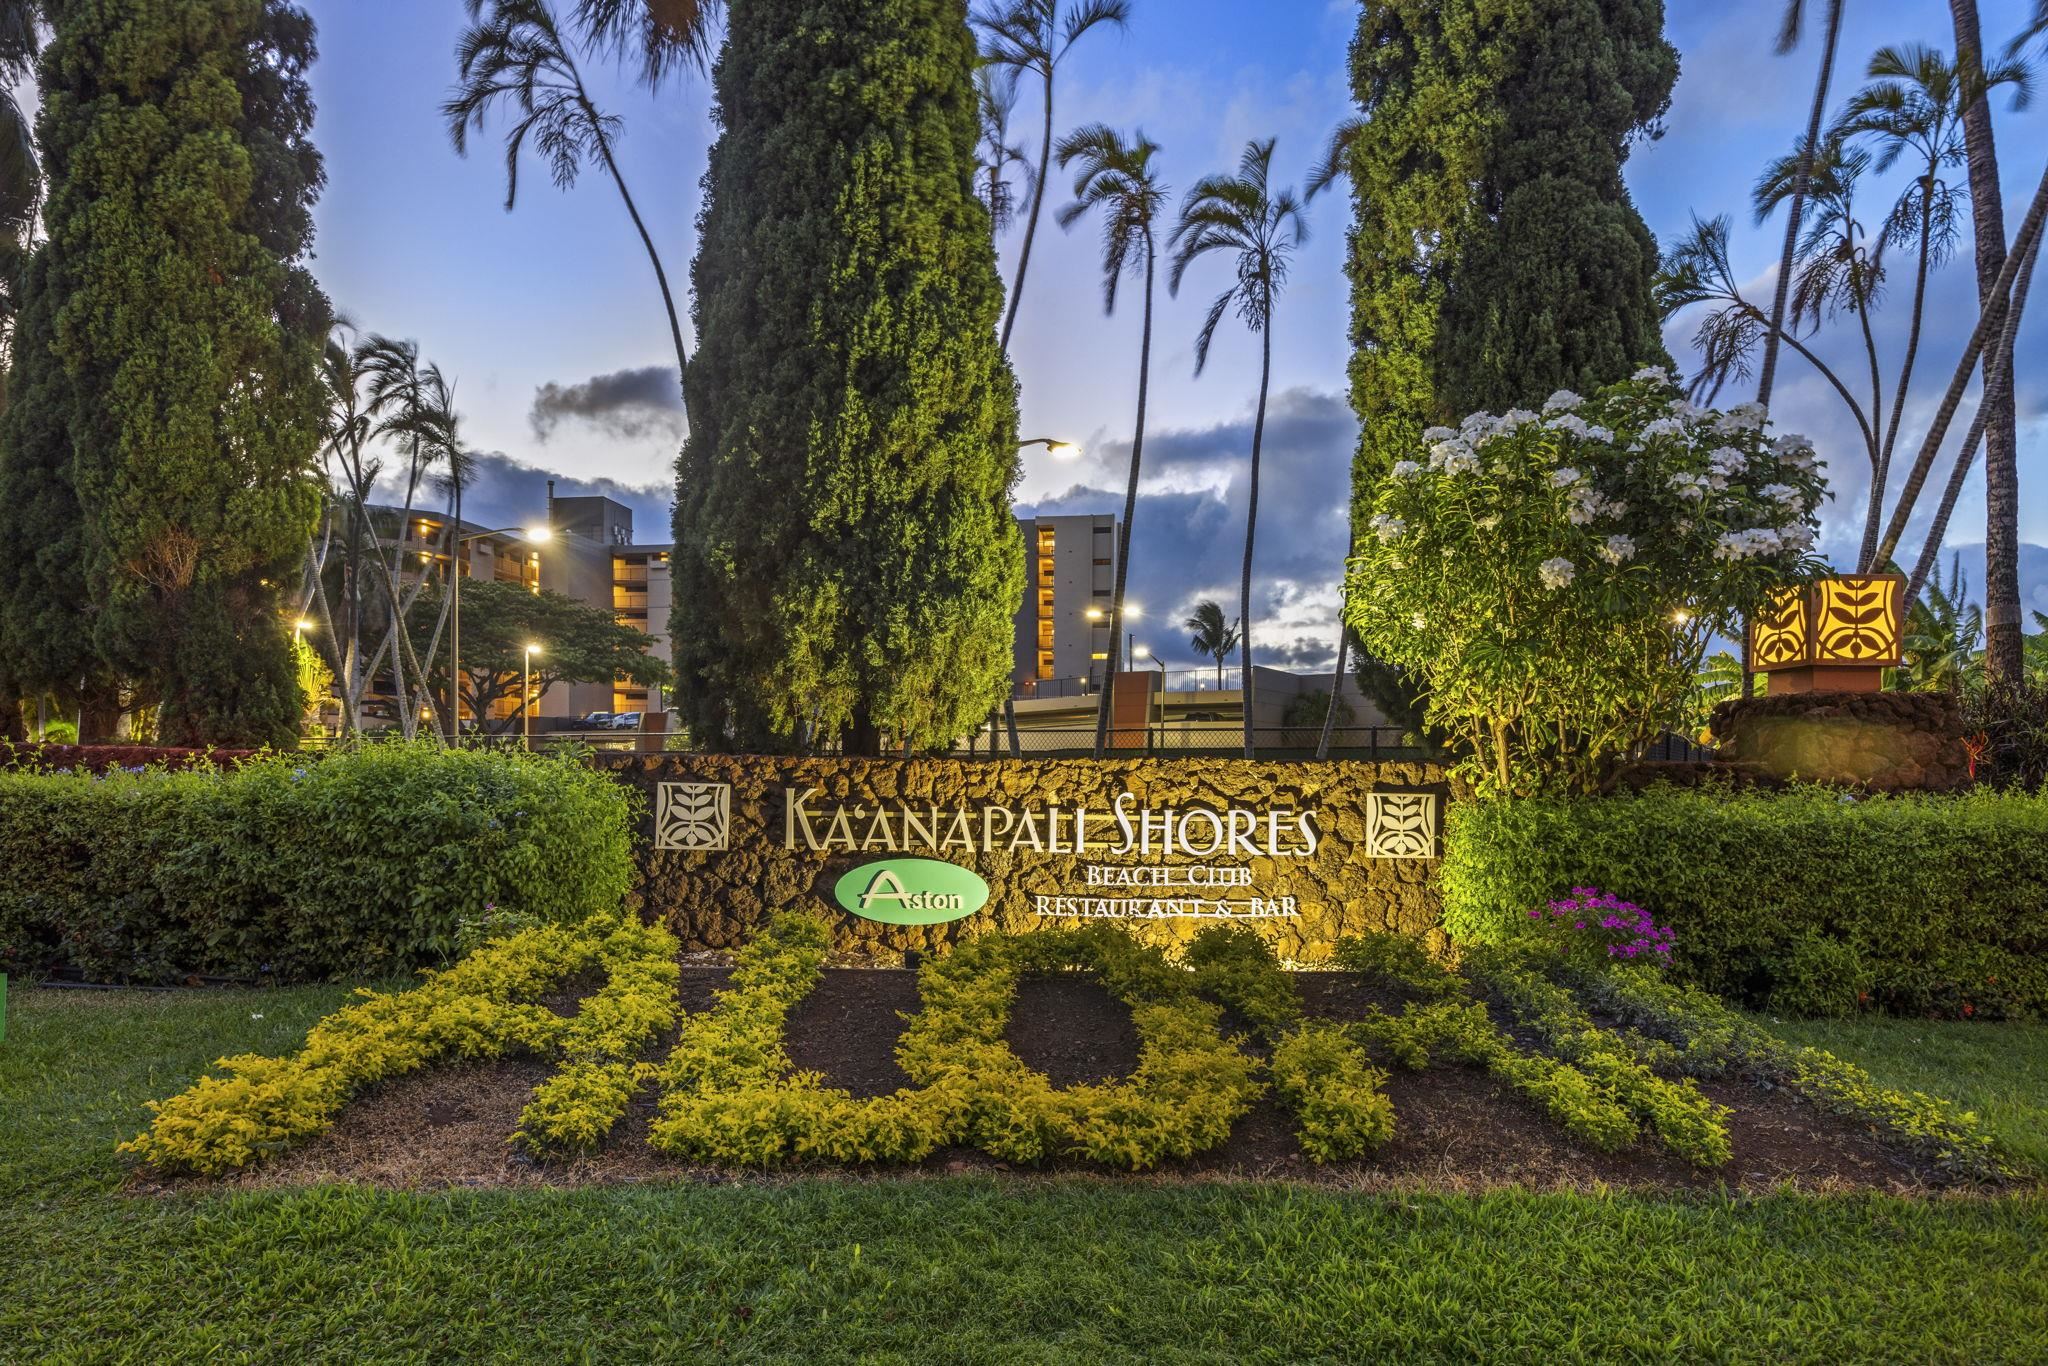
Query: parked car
column 597, row 720
column 626, row 720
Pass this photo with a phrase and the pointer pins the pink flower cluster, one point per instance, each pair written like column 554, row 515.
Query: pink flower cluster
column 1590, row 908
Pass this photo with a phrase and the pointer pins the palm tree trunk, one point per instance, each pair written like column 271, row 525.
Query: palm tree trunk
column 1123, row 538
column 668, row 300
column 1998, row 384
column 1039, row 178
column 2004, row 645
column 1874, row 515
column 1989, row 323
column 1251, row 529
column 1336, row 683
column 455, row 622
column 1798, row 206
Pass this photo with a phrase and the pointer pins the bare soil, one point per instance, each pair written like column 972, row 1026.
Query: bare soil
column 1456, row 1128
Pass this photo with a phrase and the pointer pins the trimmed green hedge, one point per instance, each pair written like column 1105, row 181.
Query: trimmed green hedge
column 360, row 863
column 1803, row 901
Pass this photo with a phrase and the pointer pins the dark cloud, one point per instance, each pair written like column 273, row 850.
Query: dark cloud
column 1188, row 538
column 505, row 493
column 628, row 404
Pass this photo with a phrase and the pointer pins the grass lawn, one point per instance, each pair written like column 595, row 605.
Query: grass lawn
column 2000, row 1071
column 966, row 1269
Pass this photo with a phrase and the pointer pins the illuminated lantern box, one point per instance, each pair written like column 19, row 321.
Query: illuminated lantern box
column 1837, row 635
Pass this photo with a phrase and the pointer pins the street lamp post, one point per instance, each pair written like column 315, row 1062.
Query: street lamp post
column 538, row 536
column 1056, row 448
column 1162, row 690
column 526, row 694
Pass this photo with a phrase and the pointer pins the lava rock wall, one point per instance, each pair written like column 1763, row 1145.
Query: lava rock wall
column 1877, row 741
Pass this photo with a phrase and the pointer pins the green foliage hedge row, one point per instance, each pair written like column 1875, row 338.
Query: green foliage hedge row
column 1803, row 901
column 361, row 863
column 486, row 1006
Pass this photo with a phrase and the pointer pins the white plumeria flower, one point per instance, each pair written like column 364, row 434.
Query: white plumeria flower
column 1559, row 478
column 1748, row 544
column 1563, row 401
column 1406, row 469
column 1656, row 373
column 1388, row 529
column 1603, row 435
column 1556, row 573
column 1663, row 426
column 1436, row 434
column 1618, row 549
column 1781, row 493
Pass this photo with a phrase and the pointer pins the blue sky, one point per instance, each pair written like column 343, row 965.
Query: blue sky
column 414, row 241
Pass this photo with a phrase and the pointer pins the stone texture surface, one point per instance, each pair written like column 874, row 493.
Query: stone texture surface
column 717, row 900
column 1880, row 742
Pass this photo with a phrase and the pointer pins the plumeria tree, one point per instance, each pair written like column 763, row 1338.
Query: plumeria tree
column 1557, row 577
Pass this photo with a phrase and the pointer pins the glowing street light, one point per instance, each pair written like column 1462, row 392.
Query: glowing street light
column 1056, row 448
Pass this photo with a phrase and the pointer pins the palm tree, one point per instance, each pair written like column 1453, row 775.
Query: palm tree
column 345, row 433
column 1997, row 387
column 1118, row 178
column 995, row 91
column 2001, row 474
column 1035, row 36
column 1335, row 166
column 1788, row 38
column 1213, row 635
column 1913, row 109
column 401, row 397
column 1241, row 215
column 521, row 55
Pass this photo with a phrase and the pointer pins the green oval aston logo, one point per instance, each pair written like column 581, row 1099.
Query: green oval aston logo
column 911, row 891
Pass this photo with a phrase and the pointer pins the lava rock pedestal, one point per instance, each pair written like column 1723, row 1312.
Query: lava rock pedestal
column 1877, row 741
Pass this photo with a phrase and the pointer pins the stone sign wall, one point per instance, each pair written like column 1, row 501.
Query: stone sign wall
column 1304, row 853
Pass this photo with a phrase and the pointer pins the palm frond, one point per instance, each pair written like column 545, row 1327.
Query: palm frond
column 1335, row 160
column 661, row 37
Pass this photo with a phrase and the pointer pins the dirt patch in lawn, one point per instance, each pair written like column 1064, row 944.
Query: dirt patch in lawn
column 1456, row 1127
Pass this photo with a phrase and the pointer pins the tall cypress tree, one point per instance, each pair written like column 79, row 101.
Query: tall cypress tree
column 846, row 562
column 1496, row 254
column 181, row 411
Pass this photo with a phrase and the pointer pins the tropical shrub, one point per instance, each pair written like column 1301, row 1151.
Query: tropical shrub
column 1596, row 1088
column 1338, row 1098
column 1938, row 904
column 730, row 1093
column 1555, row 577
column 1190, row 1086
column 101, row 758
column 362, row 862
column 485, row 1006
column 1717, row 1040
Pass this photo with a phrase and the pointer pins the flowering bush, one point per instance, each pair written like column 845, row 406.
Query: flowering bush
column 1597, row 924
column 1555, row 577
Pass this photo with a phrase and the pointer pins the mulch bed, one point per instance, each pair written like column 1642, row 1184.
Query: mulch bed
column 1455, row 1127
